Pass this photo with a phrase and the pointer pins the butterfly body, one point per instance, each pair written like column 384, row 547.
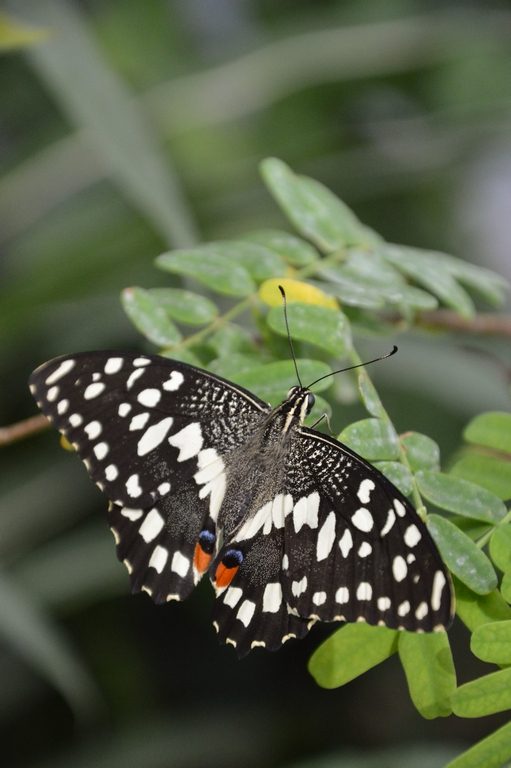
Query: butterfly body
column 204, row 477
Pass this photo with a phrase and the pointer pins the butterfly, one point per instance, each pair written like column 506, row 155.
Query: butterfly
column 202, row 476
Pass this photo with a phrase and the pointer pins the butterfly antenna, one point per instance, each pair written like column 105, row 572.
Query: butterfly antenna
column 359, row 365
column 282, row 291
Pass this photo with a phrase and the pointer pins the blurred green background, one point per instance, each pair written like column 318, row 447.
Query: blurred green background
column 133, row 127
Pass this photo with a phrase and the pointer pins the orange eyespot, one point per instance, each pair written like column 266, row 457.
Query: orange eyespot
column 201, row 559
column 224, row 575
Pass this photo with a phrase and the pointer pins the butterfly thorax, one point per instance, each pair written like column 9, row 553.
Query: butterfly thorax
column 255, row 473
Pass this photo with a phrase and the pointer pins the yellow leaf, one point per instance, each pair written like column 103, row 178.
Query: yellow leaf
column 65, row 444
column 296, row 290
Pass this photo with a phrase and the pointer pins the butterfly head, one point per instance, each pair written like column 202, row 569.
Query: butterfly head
column 299, row 401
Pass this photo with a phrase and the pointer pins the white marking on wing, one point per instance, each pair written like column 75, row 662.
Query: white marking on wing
column 93, row 390
column 346, row 542
column 272, row 597
column 159, row 558
column 113, row 365
column 363, row 520
column 174, row 381
column 149, row 397
column 439, row 583
column 305, row 511
column 58, row 373
column 154, row 436
column 364, row 490
column 326, row 537
column 151, row 526
column 232, row 596
column 180, row 564
column 188, row 440
column 246, row 612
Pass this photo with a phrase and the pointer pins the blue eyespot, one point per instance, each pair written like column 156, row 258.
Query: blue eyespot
column 207, row 541
column 232, row 558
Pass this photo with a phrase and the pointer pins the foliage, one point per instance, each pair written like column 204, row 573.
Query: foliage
column 363, row 274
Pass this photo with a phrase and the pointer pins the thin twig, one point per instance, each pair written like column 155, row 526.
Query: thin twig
column 23, row 429
column 488, row 324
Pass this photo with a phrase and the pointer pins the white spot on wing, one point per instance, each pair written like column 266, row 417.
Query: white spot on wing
column 111, row 472
column 383, row 603
column 159, row 558
column 364, row 591
column 154, row 435
column 188, row 440
column 151, row 526
column 365, row 549
column 422, row 611
column 299, row 587
column 163, row 489
column 399, row 568
column 93, row 429
column 133, row 486
column 400, row 508
column 412, row 536
column 75, row 420
column 100, row 450
column 52, row 394
column 272, row 597
column 326, row 537
column 174, row 381
column 93, row 390
column 318, row 598
column 232, row 596
column 439, row 582
column 180, row 564
column 139, row 421
column 346, row 542
column 364, row 490
column 149, row 397
column 305, row 511
column 342, row 595
column 285, row 562
column 134, row 375
column 113, row 365
column 141, row 362
column 391, row 519
column 404, row 608
column 58, row 373
column 246, row 612
column 131, row 514
column 62, row 406
column 254, row 524
column 363, row 520
column 124, row 409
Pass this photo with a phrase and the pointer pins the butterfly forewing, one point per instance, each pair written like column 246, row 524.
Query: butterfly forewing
column 151, row 433
column 202, row 476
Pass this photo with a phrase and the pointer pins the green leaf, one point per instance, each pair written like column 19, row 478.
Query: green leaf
column 489, row 472
column 326, row 328
column 371, row 268
column 185, row 306
column 492, row 642
column 500, row 547
column 484, row 696
column 233, row 364
column 260, row 262
column 29, row 630
column 271, row 381
column 489, row 284
column 460, row 496
column 505, row 587
column 350, row 652
column 373, row 439
column 421, row 451
column 369, row 395
column 231, row 339
column 184, row 354
column 98, row 104
column 492, row 429
column 435, row 277
column 475, row 610
column 398, row 474
column 295, row 251
column 429, row 669
column 463, row 558
column 149, row 317
column 315, row 211
column 209, row 268
column 351, row 291
column 492, row 752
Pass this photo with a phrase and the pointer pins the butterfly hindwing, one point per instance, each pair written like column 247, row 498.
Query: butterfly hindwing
column 356, row 549
column 151, row 433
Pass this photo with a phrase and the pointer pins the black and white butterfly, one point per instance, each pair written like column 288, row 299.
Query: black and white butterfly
column 291, row 526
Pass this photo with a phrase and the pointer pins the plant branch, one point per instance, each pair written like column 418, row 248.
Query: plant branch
column 487, row 324
column 23, row 429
